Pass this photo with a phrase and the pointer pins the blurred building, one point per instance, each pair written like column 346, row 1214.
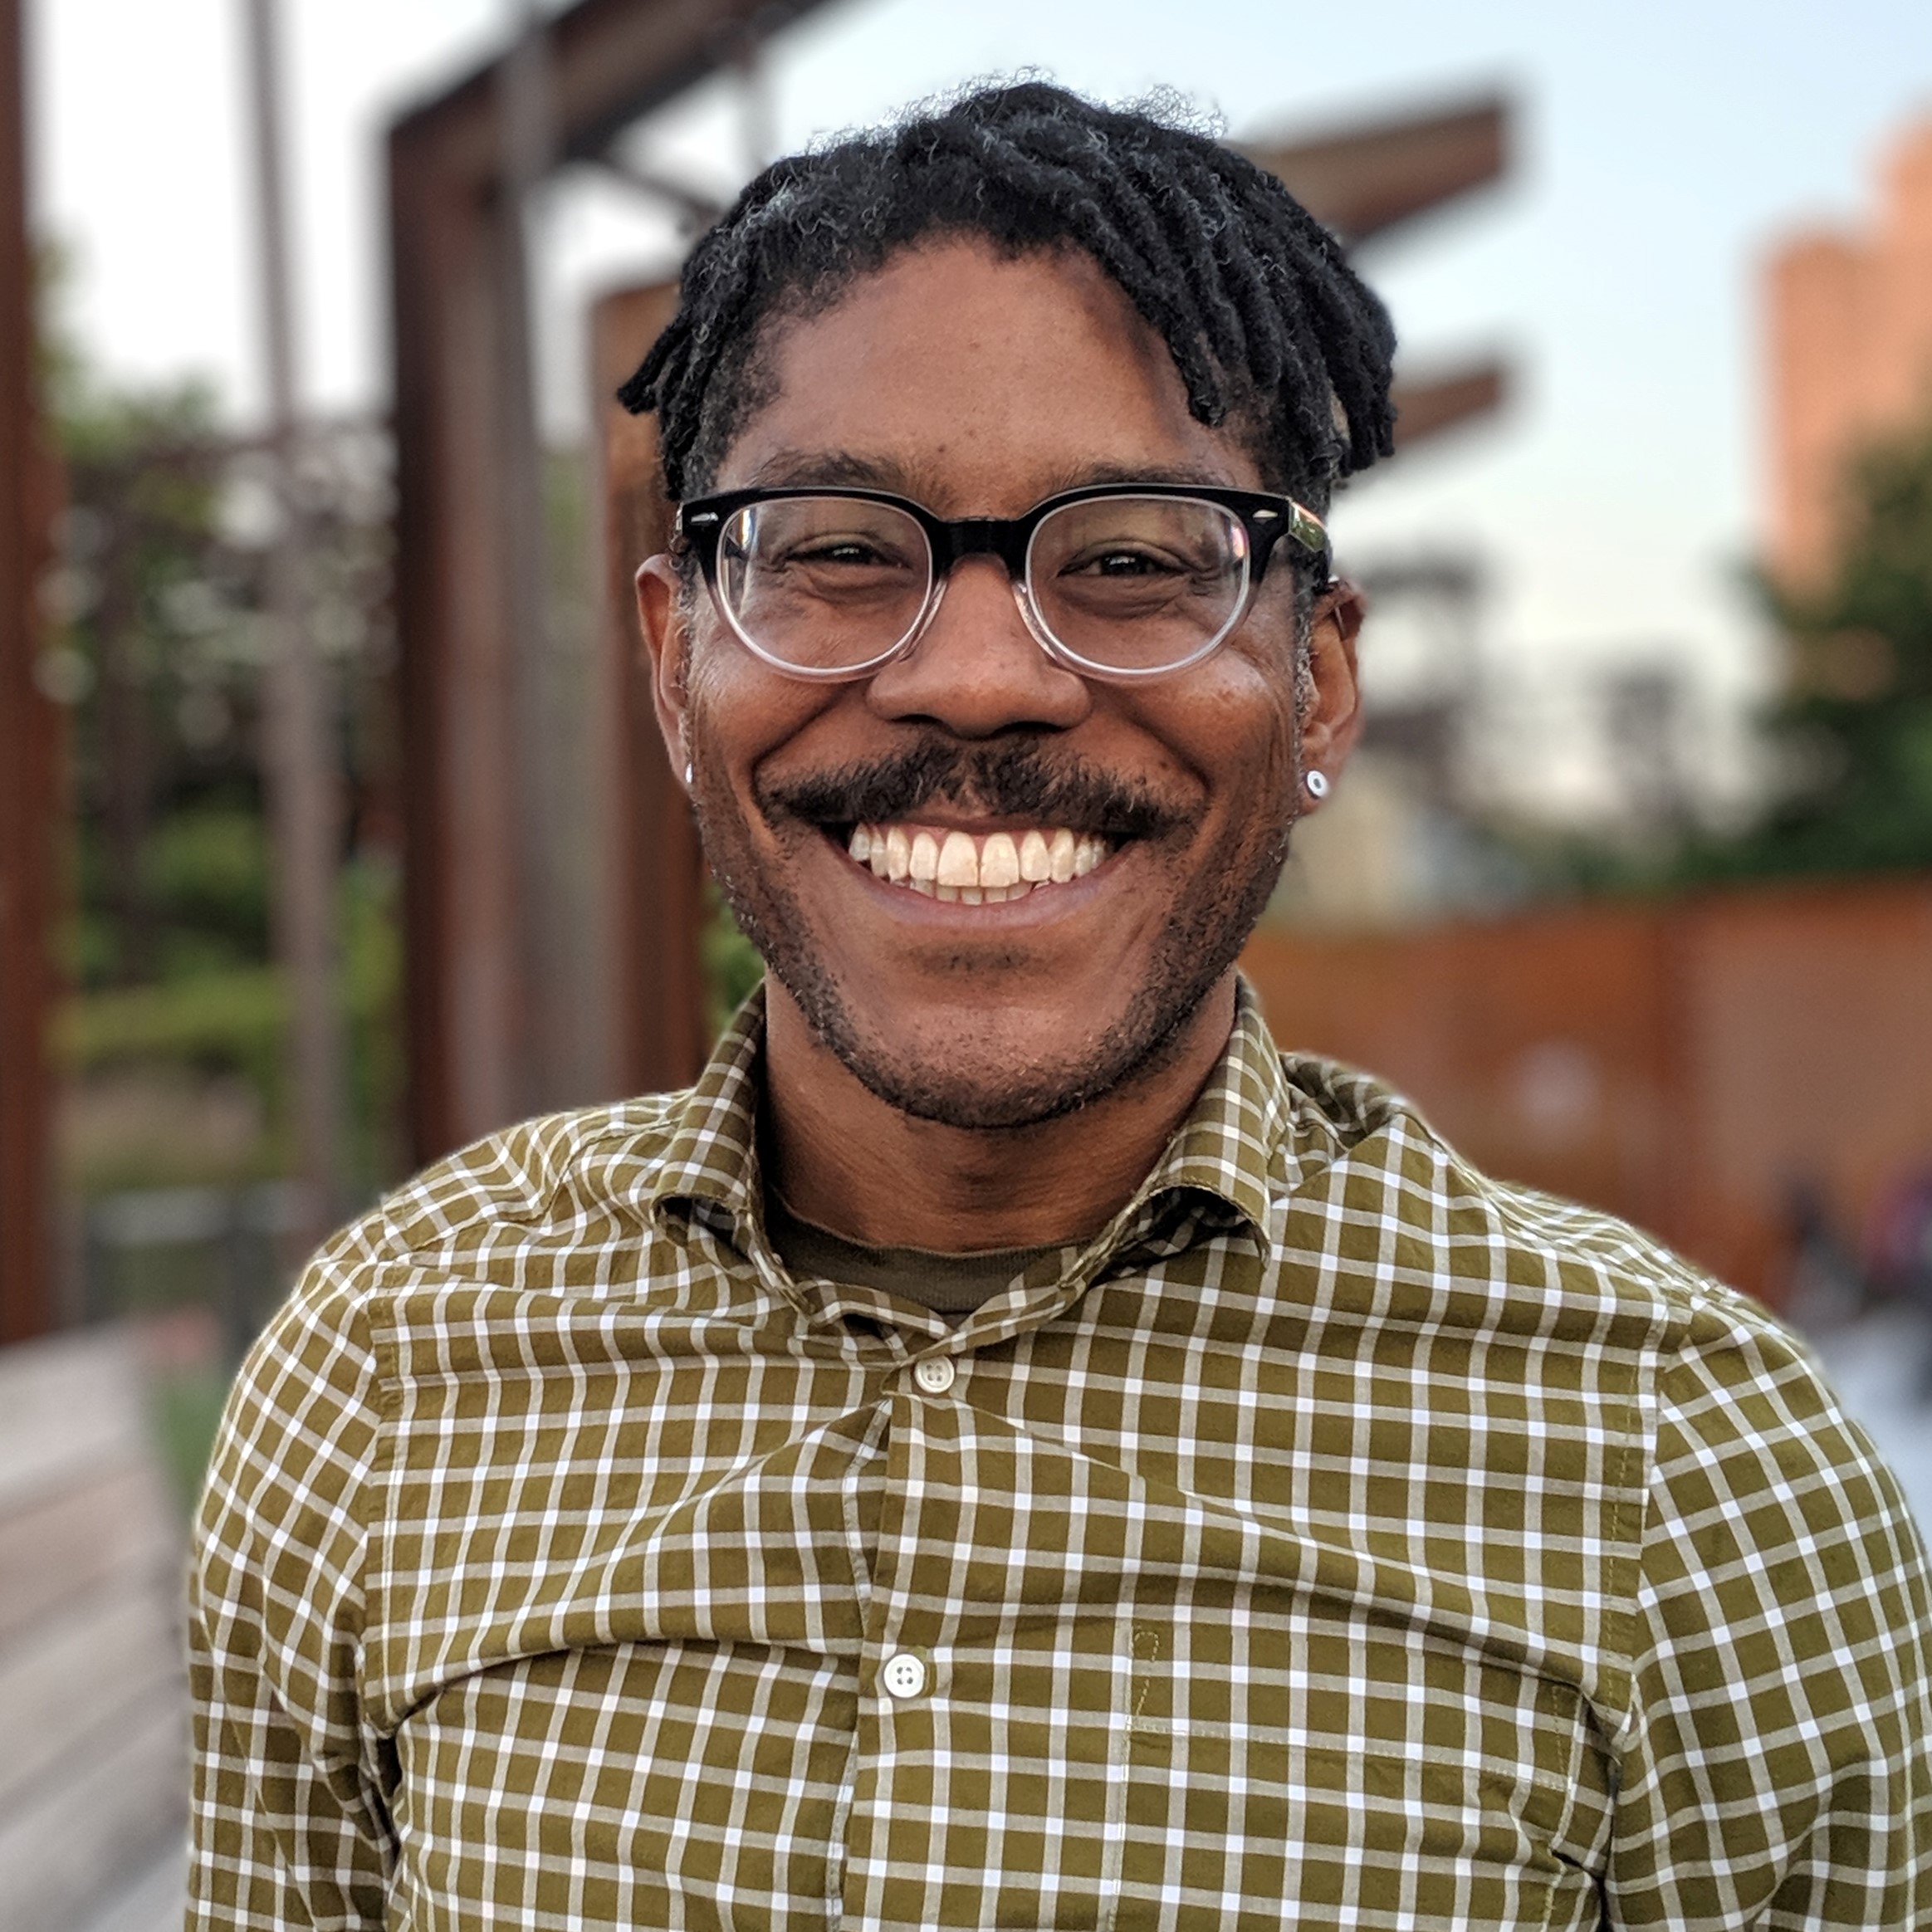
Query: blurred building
column 1849, row 329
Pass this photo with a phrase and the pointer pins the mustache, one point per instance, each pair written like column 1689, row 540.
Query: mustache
column 1017, row 781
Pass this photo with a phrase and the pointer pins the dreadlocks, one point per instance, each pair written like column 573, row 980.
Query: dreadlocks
column 1265, row 321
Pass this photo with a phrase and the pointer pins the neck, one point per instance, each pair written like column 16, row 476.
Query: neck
column 848, row 1162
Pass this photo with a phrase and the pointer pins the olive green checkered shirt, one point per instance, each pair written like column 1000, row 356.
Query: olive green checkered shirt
column 1347, row 1540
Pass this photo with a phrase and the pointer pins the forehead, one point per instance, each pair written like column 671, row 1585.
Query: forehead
column 978, row 383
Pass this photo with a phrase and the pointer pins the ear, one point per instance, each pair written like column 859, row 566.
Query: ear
column 667, row 638
column 1333, row 720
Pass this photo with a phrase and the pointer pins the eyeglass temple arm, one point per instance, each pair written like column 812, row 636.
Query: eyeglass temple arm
column 1266, row 528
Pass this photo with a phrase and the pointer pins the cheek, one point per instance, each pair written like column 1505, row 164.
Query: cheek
column 1239, row 729
column 741, row 709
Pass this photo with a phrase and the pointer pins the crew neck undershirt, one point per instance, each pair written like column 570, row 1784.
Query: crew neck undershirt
column 949, row 1284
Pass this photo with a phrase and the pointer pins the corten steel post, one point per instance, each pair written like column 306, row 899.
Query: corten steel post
column 301, row 766
column 29, row 735
column 544, row 723
column 657, row 872
column 463, row 381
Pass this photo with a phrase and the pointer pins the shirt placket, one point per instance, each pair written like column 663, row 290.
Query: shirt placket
column 988, row 1741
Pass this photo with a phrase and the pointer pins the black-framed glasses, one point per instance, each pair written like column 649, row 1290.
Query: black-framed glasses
column 1120, row 580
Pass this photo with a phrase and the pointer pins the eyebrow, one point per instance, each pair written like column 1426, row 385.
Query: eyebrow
column 833, row 467
column 846, row 469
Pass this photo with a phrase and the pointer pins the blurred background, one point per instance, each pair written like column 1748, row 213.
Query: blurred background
column 333, row 829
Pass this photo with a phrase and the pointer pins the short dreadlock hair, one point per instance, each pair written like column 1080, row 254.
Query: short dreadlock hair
column 1266, row 322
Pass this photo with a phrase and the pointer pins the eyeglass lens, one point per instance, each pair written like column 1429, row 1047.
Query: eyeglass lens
column 1128, row 584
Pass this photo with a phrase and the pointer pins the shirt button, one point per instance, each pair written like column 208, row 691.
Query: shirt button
column 904, row 1674
column 934, row 1374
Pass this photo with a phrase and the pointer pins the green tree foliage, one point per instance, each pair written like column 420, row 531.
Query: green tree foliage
column 1854, row 728
column 158, row 650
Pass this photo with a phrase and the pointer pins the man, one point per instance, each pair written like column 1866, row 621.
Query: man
column 1008, row 1448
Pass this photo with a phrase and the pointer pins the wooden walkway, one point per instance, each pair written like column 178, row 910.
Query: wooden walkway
column 93, row 1736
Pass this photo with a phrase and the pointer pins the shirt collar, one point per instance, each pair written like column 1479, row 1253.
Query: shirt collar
column 1225, row 1149
column 713, row 1154
column 1229, row 1144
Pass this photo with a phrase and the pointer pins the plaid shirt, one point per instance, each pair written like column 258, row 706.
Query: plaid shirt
column 1347, row 1540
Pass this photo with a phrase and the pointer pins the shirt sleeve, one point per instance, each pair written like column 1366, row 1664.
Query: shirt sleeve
column 1776, row 1771
column 289, row 1826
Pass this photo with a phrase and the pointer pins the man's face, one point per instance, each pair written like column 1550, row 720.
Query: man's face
column 978, row 385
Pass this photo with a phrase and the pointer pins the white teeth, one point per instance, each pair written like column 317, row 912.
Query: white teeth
column 956, row 867
column 999, row 860
column 959, row 861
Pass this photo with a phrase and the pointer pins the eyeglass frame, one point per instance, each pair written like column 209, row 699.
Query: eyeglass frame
column 1265, row 519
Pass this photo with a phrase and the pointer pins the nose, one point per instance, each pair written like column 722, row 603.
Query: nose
column 976, row 669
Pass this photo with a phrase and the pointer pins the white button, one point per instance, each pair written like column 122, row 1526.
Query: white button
column 934, row 1374
column 904, row 1675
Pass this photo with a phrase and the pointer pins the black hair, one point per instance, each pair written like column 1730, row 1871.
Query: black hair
column 1266, row 321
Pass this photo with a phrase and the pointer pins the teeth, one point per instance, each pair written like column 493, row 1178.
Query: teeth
column 959, row 861
column 962, row 870
column 999, row 862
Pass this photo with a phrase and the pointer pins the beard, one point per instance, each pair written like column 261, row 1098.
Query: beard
column 1221, row 898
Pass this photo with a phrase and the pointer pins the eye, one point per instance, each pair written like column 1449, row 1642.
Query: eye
column 862, row 552
column 1116, row 560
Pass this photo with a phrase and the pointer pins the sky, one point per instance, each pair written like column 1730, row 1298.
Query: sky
column 1664, row 146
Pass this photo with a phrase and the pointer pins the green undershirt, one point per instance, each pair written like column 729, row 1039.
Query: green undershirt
column 949, row 1284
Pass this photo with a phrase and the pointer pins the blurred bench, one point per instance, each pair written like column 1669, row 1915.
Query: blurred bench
column 93, row 1734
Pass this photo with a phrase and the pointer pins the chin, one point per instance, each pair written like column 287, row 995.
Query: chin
column 977, row 1067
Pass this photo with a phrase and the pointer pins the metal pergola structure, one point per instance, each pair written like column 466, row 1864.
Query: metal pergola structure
column 488, row 1007
column 1372, row 178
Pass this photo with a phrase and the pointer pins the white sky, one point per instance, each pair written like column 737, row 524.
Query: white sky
column 1665, row 143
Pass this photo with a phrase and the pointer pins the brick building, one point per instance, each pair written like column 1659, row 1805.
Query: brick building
column 1850, row 351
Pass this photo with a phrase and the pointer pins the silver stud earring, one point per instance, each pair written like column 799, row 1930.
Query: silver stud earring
column 1317, row 783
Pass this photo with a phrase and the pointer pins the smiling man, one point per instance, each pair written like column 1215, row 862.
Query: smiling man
column 1009, row 1447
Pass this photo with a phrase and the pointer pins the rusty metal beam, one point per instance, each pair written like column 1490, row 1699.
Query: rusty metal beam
column 1425, row 408
column 473, row 1004
column 30, row 737
column 611, row 61
column 1364, row 180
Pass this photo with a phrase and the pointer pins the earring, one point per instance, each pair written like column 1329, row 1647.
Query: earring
column 688, row 775
column 1316, row 783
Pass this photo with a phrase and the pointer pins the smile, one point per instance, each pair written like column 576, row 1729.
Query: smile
column 949, row 864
